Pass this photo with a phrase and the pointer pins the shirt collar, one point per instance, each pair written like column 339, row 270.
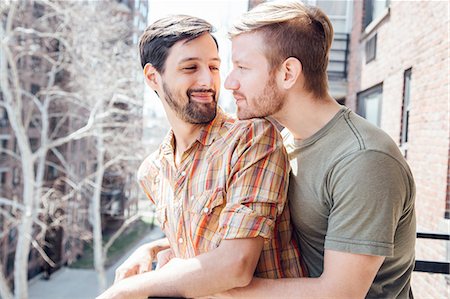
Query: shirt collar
column 207, row 134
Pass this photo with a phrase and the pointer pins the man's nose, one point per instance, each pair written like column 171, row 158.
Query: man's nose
column 206, row 78
column 231, row 83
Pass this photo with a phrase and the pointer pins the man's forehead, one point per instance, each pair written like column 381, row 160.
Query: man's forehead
column 200, row 48
column 246, row 46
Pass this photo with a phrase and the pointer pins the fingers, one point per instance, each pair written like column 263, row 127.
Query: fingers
column 141, row 260
column 145, row 266
column 164, row 257
column 123, row 272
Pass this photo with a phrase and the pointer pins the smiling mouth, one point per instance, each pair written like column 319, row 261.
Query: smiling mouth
column 204, row 97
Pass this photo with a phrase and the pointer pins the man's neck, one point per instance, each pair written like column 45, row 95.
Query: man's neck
column 184, row 135
column 303, row 115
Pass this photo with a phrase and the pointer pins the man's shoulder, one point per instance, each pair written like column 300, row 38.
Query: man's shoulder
column 252, row 128
column 150, row 166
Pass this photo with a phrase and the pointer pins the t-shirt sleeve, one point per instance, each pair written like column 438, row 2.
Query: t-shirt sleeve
column 367, row 192
column 257, row 184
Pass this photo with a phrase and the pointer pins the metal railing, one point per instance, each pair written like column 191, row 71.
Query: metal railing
column 337, row 66
column 432, row 266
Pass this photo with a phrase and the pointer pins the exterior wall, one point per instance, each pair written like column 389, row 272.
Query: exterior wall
column 33, row 81
column 413, row 35
column 79, row 155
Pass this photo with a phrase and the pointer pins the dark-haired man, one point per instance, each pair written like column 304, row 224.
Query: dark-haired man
column 351, row 192
column 219, row 185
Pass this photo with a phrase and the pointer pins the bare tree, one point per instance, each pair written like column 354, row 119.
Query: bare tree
column 86, row 42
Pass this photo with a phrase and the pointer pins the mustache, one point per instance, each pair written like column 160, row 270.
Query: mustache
column 238, row 95
column 192, row 90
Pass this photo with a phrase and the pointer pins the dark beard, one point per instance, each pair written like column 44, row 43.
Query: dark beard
column 192, row 112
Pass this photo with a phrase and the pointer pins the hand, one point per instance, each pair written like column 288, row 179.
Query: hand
column 141, row 260
column 163, row 257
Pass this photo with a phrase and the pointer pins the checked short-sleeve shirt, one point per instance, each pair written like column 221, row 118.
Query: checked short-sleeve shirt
column 231, row 183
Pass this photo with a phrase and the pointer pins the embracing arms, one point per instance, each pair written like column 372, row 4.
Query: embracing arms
column 345, row 275
column 234, row 262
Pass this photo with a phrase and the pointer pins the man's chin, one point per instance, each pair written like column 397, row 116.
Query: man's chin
column 201, row 116
column 245, row 115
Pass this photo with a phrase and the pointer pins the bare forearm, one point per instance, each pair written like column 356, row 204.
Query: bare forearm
column 276, row 288
column 345, row 276
column 191, row 280
column 209, row 273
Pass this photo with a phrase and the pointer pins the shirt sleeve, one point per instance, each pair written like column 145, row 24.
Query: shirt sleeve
column 148, row 177
column 257, row 184
column 369, row 192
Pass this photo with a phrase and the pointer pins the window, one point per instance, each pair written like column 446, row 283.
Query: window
column 34, row 144
column 82, row 168
column 337, row 12
column 35, row 62
column 3, row 145
column 369, row 104
column 447, row 199
column 34, row 88
column 373, row 9
column 38, row 10
column 3, row 173
column 371, row 49
column 73, row 147
column 406, row 108
column 16, row 176
column 3, row 117
column 52, row 172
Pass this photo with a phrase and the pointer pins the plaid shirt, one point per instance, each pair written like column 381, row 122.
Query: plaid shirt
column 231, row 183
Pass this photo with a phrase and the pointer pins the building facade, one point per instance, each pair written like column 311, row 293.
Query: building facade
column 66, row 164
column 399, row 80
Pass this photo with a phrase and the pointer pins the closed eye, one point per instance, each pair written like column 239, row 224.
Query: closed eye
column 190, row 68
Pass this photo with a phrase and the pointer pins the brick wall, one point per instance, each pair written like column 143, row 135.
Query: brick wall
column 413, row 35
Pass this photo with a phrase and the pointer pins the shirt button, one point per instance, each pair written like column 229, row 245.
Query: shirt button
column 205, row 210
column 192, row 197
column 183, row 173
column 180, row 240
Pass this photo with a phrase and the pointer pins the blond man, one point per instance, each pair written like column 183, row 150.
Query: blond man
column 351, row 192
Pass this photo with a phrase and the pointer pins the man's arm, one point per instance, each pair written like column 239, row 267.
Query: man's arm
column 231, row 265
column 141, row 259
column 345, row 275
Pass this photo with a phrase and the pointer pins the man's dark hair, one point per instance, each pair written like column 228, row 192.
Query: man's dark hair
column 159, row 37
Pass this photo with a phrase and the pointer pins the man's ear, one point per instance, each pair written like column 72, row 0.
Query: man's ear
column 291, row 70
column 151, row 76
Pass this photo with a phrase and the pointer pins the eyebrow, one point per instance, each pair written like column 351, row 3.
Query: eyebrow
column 195, row 59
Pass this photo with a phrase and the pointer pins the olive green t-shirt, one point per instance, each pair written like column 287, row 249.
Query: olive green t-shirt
column 351, row 190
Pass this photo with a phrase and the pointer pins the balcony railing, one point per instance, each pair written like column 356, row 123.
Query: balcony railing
column 337, row 67
column 432, row 266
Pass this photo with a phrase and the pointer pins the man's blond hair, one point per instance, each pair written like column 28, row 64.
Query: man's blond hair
column 292, row 29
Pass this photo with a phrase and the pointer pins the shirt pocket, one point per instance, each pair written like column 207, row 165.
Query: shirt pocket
column 204, row 214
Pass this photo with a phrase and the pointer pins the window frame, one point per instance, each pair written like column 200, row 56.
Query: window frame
column 406, row 108
column 376, row 89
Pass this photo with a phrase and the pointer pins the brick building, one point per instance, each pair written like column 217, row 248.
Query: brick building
column 67, row 245
column 29, row 70
column 399, row 79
